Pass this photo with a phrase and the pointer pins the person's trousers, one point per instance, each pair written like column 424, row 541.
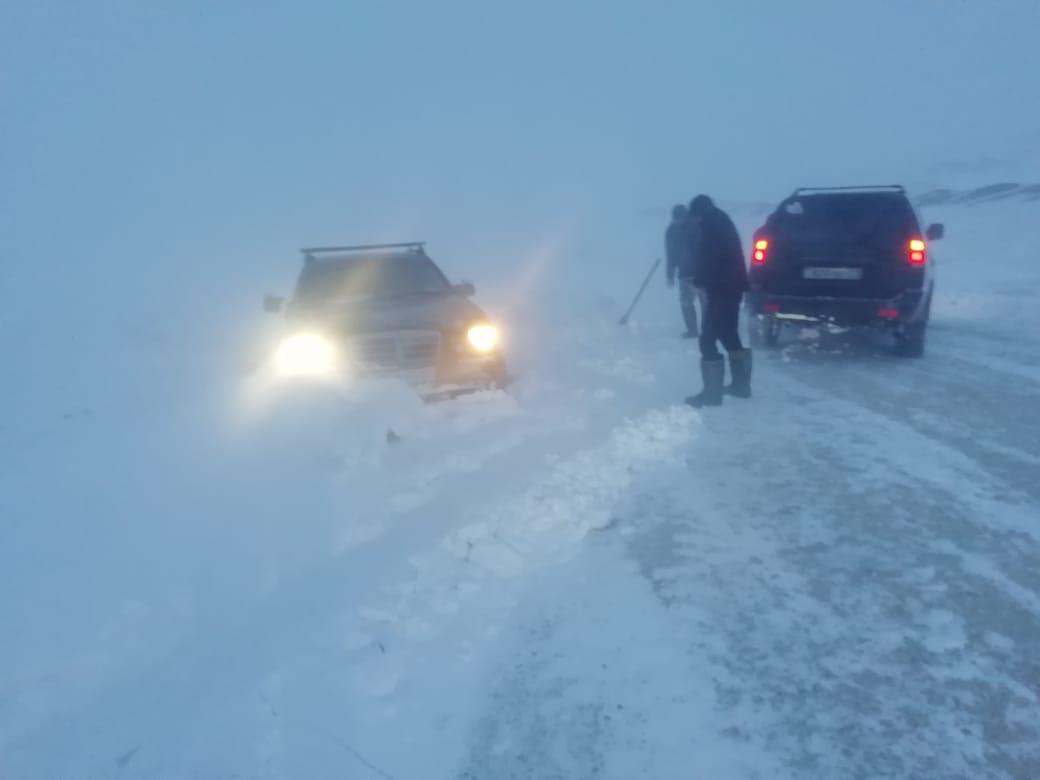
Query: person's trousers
column 688, row 295
column 721, row 323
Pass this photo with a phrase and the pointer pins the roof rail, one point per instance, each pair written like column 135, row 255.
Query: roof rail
column 415, row 246
column 867, row 188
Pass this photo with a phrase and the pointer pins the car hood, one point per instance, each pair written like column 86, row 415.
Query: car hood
column 419, row 312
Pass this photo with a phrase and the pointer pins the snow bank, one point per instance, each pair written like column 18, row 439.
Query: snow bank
column 988, row 269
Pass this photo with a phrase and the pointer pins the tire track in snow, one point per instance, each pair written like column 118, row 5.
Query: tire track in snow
column 600, row 680
column 981, row 512
column 852, row 644
column 963, row 402
column 891, row 630
column 544, row 525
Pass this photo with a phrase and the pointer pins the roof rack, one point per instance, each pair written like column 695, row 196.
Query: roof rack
column 414, row 246
column 867, row 188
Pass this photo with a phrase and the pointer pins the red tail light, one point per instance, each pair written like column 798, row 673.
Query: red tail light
column 917, row 253
column 758, row 256
column 888, row 314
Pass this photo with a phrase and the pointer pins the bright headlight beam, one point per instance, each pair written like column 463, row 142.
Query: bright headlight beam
column 483, row 338
column 306, row 354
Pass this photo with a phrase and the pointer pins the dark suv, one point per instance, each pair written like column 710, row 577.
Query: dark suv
column 850, row 256
column 386, row 310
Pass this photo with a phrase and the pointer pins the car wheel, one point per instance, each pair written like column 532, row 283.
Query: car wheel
column 910, row 343
column 765, row 332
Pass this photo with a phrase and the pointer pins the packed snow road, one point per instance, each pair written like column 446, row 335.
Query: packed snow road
column 839, row 582
column 838, row 578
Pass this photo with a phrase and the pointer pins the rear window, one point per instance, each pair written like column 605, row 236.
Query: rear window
column 845, row 217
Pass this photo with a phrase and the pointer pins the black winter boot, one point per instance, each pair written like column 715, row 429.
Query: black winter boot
column 713, row 372
column 740, row 372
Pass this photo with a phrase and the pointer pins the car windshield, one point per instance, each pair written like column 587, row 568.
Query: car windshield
column 374, row 276
column 843, row 216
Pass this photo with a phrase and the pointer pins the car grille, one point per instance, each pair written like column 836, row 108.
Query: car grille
column 396, row 351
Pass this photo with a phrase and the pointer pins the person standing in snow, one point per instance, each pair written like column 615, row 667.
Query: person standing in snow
column 720, row 272
column 679, row 246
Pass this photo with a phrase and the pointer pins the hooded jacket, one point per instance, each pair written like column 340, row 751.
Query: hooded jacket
column 720, row 265
column 680, row 246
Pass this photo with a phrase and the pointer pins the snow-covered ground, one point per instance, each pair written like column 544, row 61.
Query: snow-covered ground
column 206, row 576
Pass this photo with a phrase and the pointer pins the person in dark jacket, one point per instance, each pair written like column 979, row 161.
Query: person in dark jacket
column 680, row 241
column 720, row 272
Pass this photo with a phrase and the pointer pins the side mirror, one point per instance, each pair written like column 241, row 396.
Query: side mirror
column 935, row 231
column 273, row 304
column 465, row 289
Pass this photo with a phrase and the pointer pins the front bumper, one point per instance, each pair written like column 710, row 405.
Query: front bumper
column 844, row 312
column 472, row 371
column 463, row 377
column 422, row 358
column 449, row 378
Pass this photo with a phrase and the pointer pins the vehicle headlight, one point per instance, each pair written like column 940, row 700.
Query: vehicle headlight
column 483, row 337
column 306, row 354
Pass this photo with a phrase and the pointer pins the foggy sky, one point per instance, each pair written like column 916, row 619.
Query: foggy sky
column 160, row 133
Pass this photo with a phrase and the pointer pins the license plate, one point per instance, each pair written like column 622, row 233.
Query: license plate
column 844, row 274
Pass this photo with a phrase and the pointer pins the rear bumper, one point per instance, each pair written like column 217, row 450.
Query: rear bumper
column 848, row 312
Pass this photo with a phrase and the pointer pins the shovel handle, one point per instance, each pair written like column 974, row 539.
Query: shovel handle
column 642, row 289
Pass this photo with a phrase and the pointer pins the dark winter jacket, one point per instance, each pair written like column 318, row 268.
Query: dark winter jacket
column 680, row 245
column 720, row 265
